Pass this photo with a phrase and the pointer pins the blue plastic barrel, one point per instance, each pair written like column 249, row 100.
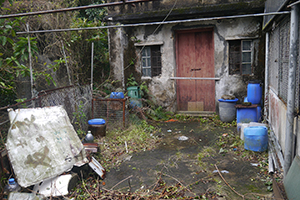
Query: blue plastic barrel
column 259, row 113
column 254, row 92
column 116, row 95
column 246, row 114
column 256, row 138
column 97, row 126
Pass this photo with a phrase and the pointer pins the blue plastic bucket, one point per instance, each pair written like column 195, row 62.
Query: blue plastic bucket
column 97, row 126
column 254, row 92
column 116, row 95
column 256, row 138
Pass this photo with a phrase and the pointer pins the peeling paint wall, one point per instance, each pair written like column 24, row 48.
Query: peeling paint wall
column 278, row 61
column 162, row 87
column 116, row 52
column 277, row 115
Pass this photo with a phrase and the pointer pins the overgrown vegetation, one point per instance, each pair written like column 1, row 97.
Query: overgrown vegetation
column 119, row 144
column 58, row 58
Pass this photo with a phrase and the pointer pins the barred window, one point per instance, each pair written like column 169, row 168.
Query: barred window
column 240, row 57
column 151, row 61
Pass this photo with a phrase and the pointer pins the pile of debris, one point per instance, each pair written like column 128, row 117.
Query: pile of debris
column 43, row 148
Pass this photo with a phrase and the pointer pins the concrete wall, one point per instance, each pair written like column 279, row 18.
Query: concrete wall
column 163, row 88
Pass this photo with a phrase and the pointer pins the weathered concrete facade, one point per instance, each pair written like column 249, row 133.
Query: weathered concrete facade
column 126, row 45
column 282, row 53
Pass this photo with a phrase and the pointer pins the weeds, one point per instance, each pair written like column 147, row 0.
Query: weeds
column 138, row 137
column 80, row 117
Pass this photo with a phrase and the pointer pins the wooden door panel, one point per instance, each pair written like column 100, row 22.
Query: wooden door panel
column 195, row 58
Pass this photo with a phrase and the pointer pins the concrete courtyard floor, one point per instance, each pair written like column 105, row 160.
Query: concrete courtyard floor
column 193, row 164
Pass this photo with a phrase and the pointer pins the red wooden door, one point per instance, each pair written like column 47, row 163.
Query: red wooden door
column 195, row 58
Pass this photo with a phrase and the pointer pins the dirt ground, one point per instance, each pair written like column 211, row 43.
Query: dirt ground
column 199, row 164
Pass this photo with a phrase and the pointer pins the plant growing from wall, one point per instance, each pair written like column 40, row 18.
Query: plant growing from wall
column 131, row 81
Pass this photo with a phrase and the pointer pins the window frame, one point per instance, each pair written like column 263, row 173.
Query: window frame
column 240, row 62
column 155, row 61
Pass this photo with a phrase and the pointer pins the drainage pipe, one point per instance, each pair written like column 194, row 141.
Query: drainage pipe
column 289, row 143
column 266, row 78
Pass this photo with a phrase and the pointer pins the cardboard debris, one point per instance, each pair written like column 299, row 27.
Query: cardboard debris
column 42, row 144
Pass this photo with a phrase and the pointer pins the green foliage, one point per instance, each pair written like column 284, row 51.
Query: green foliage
column 96, row 14
column 14, row 50
column 139, row 136
column 144, row 89
column 80, row 117
column 158, row 114
column 20, row 101
column 21, row 48
column 9, row 67
column 79, row 46
column 14, row 59
column 131, row 81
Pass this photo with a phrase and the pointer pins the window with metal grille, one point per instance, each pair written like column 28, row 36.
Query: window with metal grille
column 240, row 57
column 151, row 61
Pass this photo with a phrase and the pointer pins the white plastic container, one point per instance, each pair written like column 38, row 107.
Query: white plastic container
column 242, row 126
column 12, row 186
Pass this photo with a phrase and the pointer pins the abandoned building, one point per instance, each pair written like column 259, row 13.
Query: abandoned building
column 189, row 53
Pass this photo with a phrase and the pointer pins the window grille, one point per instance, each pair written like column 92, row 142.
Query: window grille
column 284, row 46
column 279, row 62
column 151, row 61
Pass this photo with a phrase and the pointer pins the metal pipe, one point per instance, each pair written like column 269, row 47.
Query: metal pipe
column 122, row 57
column 92, row 67
column 157, row 23
column 289, row 143
column 30, row 65
column 271, row 166
column 73, row 8
column 66, row 62
column 124, row 110
column 193, row 78
column 266, row 77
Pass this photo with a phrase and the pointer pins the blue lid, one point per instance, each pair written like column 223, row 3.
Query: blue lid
column 229, row 100
column 11, row 181
column 255, row 82
column 96, row 121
